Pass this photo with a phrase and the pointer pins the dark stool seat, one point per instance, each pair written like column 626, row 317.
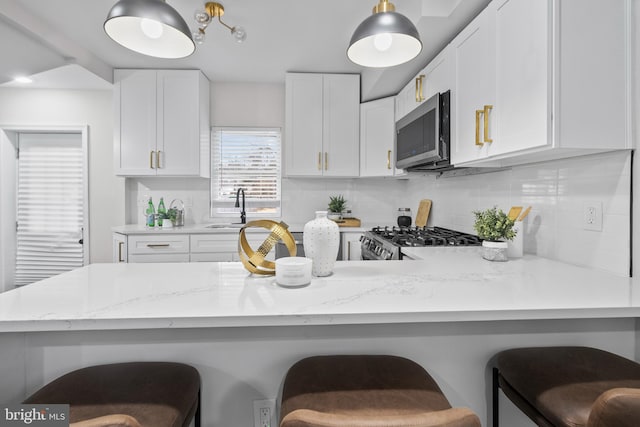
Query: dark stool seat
column 569, row 386
column 145, row 394
column 366, row 391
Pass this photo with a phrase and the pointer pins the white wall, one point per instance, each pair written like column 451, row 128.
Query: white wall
column 32, row 107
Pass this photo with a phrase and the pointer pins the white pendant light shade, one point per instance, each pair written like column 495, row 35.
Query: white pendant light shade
column 150, row 27
column 384, row 39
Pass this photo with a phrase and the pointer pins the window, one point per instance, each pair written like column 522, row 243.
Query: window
column 50, row 206
column 247, row 158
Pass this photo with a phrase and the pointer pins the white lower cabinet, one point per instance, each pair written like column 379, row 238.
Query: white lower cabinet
column 351, row 246
column 161, row 248
column 119, row 248
column 165, row 247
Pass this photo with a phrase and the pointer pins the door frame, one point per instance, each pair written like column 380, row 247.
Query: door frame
column 8, row 135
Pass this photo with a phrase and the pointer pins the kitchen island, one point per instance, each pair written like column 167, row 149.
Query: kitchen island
column 450, row 312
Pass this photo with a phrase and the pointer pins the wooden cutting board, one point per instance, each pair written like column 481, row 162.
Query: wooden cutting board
column 423, row 213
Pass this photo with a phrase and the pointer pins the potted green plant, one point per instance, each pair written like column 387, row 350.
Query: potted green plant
column 337, row 205
column 495, row 228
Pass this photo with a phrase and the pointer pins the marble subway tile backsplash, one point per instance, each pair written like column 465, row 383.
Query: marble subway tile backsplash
column 557, row 191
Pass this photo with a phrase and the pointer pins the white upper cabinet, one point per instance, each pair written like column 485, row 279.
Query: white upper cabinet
column 377, row 137
column 161, row 123
column 539, row 80
column 322, row 125
column 436, row 77
column 474, row 65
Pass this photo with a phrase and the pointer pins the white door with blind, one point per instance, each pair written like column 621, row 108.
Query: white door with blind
column 51, row 213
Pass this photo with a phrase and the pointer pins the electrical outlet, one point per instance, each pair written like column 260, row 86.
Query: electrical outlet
column 264, row 413
column 592, row 216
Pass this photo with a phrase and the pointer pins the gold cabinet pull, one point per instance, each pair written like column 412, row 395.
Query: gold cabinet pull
column 158, row 159
column 348, row 251
column 486, row 110
column 419, row 92
column 389, row 159
column 326, row 160
column 158, row 245
column 478, row 114
column 151, row 156
column 319, row 161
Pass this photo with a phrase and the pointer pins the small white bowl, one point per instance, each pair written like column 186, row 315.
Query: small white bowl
column 293, row 271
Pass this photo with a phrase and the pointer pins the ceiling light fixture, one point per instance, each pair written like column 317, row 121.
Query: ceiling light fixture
column 384, row 39
column 203, row 19
column 23, row 80
column 150, row 27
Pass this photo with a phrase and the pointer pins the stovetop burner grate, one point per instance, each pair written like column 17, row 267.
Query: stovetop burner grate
column 426, row 236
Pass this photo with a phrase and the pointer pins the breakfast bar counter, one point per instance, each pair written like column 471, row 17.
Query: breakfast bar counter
column 450, row 312
column 451, row 284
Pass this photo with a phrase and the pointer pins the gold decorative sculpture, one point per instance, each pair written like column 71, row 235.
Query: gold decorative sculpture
column 255, row 261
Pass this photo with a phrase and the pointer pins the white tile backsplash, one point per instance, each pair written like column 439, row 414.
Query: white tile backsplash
column 556, row 191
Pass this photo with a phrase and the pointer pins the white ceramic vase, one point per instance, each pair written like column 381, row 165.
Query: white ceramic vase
column 494, row 251
column 321, row 241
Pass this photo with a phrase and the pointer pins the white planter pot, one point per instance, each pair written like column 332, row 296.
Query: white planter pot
column 494, row 251
column 321, row 241
column 334, row 216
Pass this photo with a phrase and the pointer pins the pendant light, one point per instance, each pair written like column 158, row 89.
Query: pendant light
column 384, row 39
column 150, row 27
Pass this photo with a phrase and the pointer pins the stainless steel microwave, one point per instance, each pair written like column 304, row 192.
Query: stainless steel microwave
column 423, row 135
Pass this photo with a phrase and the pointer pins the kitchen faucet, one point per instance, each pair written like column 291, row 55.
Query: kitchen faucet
column 243, row 214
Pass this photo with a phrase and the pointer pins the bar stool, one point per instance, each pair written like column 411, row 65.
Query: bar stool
column 134, row 394
column 366, row 391
column 569, row 386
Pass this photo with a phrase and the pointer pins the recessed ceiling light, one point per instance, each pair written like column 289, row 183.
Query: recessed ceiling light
column 23, row 79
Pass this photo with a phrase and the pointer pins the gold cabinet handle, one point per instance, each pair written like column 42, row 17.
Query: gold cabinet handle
column 389, row 159
column 326, row 160
column 120, row 247
column 319, row 161
column 486, row 110
column 478, row 114
column 348, row 251
column 151, row 156
column 158, row 245
column 419, row 93
column 158, row 159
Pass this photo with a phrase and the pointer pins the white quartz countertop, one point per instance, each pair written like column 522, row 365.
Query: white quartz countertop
column 203, row 229
column 451, row 284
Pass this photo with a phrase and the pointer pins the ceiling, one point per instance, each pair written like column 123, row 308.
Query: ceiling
column 283, row 35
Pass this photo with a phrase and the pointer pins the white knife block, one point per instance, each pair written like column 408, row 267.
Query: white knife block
column 515, row 247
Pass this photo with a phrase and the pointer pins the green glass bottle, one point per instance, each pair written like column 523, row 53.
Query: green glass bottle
column 162, row 212
column 151, row 214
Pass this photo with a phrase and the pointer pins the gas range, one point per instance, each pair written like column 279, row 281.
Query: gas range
column 384, row 243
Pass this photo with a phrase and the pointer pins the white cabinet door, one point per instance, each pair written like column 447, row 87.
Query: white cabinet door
column 439, row 74
column 322, row 125
column 158, row 248
column 377, row 137
column 178, row 129
column 474, row 58
column 341, row 130
column 119, row 248
column 351, row 246
column 135, row 122
column 523, row 76
column 161, row 123
column 304, row 123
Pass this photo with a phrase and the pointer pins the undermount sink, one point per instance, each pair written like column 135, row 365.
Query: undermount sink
column 229, row 225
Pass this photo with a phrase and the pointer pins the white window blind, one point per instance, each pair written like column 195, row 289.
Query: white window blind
column 247, row 158
column 50, row 206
